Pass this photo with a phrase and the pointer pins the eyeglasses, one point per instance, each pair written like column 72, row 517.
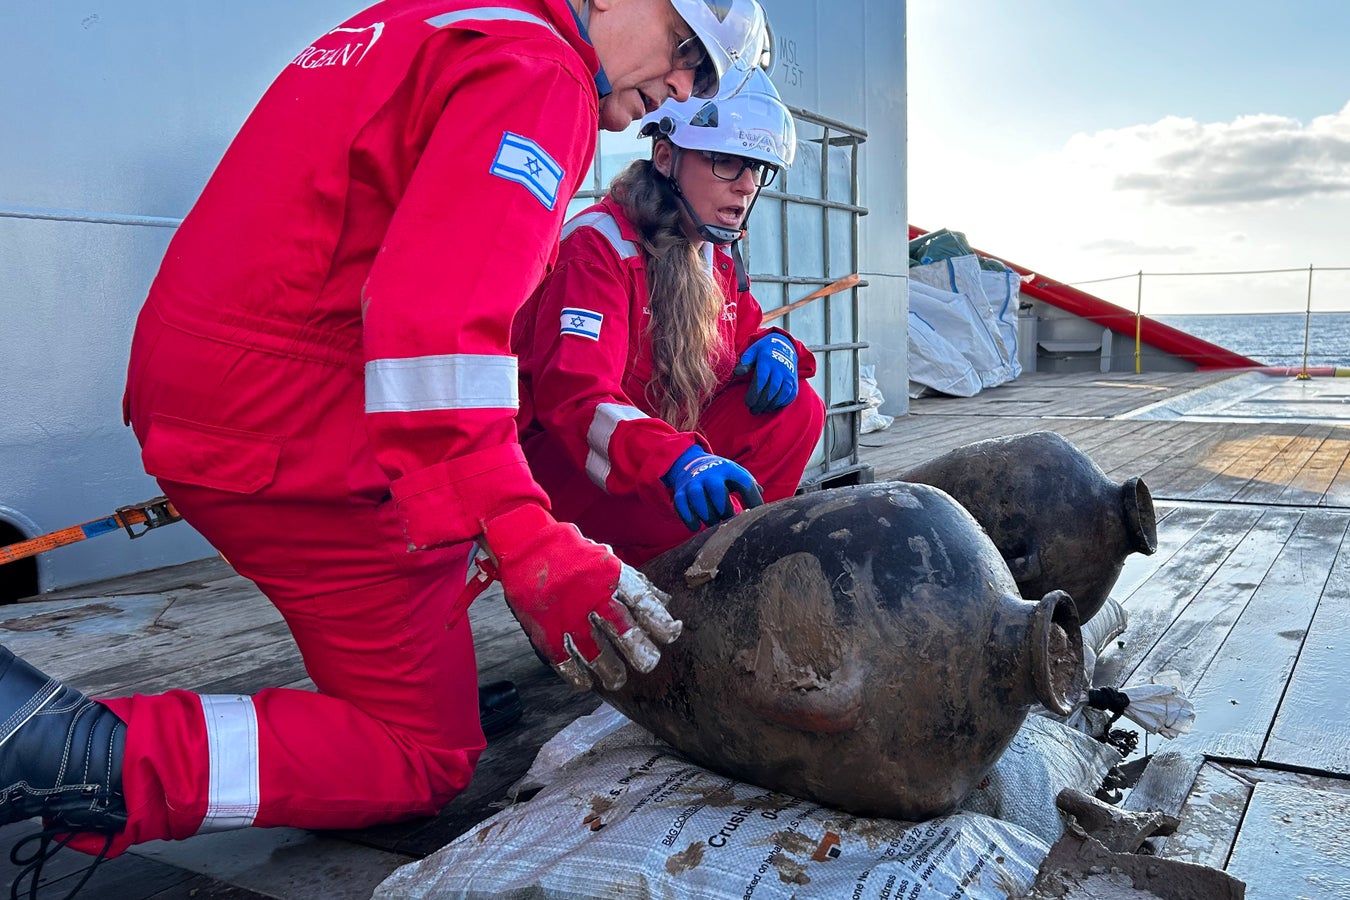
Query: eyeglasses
column 728, row 167
column 691, row 55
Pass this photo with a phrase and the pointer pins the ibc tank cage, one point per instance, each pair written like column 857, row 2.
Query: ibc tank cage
column 803, row 235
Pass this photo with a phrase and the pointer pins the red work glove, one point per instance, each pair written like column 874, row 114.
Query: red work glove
column 584, row 610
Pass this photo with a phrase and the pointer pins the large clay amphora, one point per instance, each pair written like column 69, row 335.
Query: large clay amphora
column 1056, row 518
column 863, row 647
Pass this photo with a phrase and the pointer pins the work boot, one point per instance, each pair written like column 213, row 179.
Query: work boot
column 60, row 753
column 499, row 707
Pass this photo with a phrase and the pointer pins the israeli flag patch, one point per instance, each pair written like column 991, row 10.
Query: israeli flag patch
column 521, row 160
column 582, row 322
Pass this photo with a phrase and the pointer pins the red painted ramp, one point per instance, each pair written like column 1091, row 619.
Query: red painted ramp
column 1155, row 334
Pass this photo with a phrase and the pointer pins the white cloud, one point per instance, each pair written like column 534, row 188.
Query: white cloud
column 1257, row 192
column 1125, row 247
column 1253, row 159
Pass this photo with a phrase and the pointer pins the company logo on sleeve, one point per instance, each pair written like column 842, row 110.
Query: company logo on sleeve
column 356, row 43
column 582, row 322
column 521, row 160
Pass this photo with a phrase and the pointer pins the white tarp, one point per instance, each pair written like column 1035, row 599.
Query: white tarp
column 961, row 331
column 963, row 320
column 934, row 363
column 871, row 418
column 621, row 814
column 1003, row 291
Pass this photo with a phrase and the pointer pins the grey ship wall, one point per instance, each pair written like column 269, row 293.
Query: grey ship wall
column 116, row 114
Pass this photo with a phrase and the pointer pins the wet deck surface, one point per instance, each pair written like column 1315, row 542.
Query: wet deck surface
column 1247, row 600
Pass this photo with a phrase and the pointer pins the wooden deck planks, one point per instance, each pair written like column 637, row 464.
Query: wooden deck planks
column 892, row 454
column 1176, row 526
column 930, row 436
column 1238, row 695
column 1267, row 485
column 1157, row 603
column 1242, row 460
column 1199, row 630
column 1182, row 476
column 1292, row 844
column 1064, row 403
column 1215, row 810
column 1173, row 471
column 1254, row 774
column 46, row 628
column 1211, row 817
column 156, row 665
column 1126, row 459
column 1165, row 463
column 1338, row 492
column 1203, row 461
column 903, row 449
column 1099, row 437
column 1308, row 487
column 123, row 878
column 1312, row 729
column 274, row 661
column 195, row 628
column 1164, row 786
column 1077, row 394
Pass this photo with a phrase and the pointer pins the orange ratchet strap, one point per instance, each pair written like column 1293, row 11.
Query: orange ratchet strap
column 135, row 519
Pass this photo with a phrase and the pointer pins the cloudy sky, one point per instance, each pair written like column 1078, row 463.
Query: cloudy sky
column 1093, row 138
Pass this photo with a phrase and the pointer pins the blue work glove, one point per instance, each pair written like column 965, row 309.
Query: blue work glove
column 774, row 382
column 703, row 484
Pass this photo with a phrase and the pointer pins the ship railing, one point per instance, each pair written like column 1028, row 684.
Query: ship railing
column 1320, row 294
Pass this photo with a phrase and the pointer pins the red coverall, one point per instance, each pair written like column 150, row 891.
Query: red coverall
column 321, row 380
column 591, row 426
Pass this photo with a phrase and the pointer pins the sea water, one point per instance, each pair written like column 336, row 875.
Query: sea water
column 1274, row 339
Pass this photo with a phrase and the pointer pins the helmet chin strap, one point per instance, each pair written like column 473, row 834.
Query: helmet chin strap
column 714, row 234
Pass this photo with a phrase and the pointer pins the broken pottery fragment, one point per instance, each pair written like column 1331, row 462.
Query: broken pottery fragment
column 862, row 647
column 1079, row 867
column 1059, row 522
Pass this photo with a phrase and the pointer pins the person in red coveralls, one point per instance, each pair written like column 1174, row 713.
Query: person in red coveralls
column 651, row 395
column 321, row 380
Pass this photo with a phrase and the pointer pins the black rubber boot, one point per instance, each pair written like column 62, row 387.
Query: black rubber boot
column 499, row 707
column 60, row 753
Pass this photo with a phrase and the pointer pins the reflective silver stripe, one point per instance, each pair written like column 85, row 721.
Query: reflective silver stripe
column 604, row 223
column 451, row 381
column 232, row 746
column 487, row 14
column 607, row 418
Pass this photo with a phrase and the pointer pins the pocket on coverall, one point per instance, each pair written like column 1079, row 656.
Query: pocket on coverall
column 210, row 456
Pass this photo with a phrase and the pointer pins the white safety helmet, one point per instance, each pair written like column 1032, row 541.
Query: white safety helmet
column 743, row 119
column 735, row 34
column 746, row 119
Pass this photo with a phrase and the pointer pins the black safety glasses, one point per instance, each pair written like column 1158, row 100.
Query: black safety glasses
column 691, row 55
column 728, row 167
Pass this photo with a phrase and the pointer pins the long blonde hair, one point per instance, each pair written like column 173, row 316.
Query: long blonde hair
column 685, row 301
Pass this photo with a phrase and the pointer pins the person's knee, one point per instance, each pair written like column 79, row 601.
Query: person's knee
column 444, row 744
column 807, row 412
column 448, row 770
